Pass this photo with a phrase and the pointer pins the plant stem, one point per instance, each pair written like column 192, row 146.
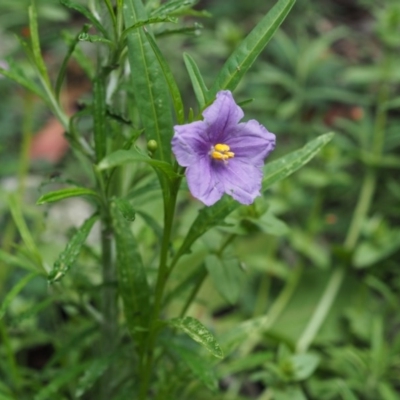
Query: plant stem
column 170, row 196
column 109, row 303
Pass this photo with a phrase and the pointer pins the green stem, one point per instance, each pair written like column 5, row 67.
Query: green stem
column 109, row 302
column 360, row 213
column 162, row 277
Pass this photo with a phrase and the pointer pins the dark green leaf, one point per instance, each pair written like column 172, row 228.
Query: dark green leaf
column 148, row 83
column 199, row 333
column 152, row 20
column 132, row 279
column 68, row 257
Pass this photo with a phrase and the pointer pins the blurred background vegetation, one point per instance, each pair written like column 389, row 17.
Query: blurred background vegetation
column 333, row 66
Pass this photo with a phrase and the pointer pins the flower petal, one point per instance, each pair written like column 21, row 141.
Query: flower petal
column 221, row 115
column 190, row 142
column 242, row 181
column 251, row 142
column 203, row 182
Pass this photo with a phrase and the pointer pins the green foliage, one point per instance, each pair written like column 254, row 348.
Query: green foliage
column 153, row 296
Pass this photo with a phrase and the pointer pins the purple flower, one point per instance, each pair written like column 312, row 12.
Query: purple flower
column 222, row 155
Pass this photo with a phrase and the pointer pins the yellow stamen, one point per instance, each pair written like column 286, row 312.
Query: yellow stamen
column 221, row 152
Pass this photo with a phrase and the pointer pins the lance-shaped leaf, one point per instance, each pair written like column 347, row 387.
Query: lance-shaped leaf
column 86, row 13
column 68, row 257
column 14, row 292
column 132, row 280
column 250, row 48
column 199, row 87
column 209, row 217
column 65, row 193
column 199, row 333
column 148, row 83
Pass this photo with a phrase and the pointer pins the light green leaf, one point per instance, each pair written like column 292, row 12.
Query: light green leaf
column 148, row 83
column 23, row 230
column 152, row 20
column 250, row 48
column 285, row 166
column 173, row 6
column 64, row 377
column 121, row 157
column 86, row 13
column 92, row 373
column 132, row 279
column 19, row 77
column 303, row 365
column 173, row 87
column 17, row 261
column 68, row 257
column 199, row 87
column 36, row 51
column 14, row 292
column 126, row 209
column 64, row 194
column 226, row 275
column 199, row 333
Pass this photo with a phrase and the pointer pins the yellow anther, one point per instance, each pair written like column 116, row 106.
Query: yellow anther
column 221, row 152
column 221, row 147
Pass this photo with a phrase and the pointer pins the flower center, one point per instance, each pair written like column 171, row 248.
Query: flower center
column 221, row 152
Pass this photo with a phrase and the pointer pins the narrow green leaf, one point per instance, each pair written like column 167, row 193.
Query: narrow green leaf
column 199, row 87
column 121, row 157
column 173, row 6
column 99, row 117
column 247, row 52
column 63, row 67
column 126, row 209
column 23, row 230
column 285, row 166
column 173, row 87
column 201, row 367
column 236, row 336
column 148, row 83
column 209, row 217
column 18, row 77
column 52, row 388
column 17, row 261
column 153, row 224
column 92, row 373
column 62, row 194
column 37, row 53
column 68, row 257
column 199, row 333
column 226, row 275
column 14, row 292
column 86, row 13
column 33, row 310
column 151, row 20
column 132, row 279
